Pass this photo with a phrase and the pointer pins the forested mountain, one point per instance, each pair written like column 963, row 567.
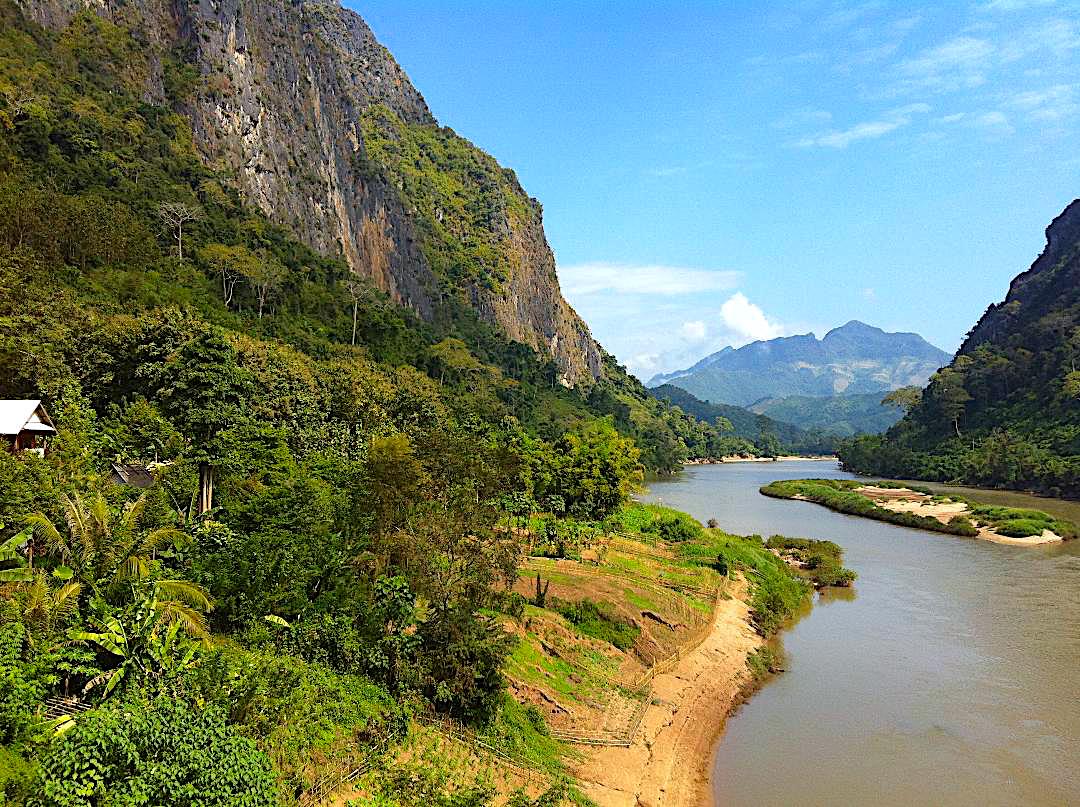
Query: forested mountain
column 237, row 253
column 850, row 360
column 317, row 126
column 1006, row 410
column 842, row 415
column 747, row 425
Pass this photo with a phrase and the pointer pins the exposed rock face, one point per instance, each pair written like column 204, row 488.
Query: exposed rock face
column 277, row 104
column 1052, row 283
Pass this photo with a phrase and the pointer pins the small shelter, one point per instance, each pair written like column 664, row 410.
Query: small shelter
column 138, row 476
column 25, row 426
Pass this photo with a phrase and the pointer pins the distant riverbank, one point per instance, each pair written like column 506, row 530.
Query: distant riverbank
column 740, row 458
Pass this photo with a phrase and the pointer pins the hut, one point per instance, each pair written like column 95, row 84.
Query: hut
column 137, row 476
column 25, row 426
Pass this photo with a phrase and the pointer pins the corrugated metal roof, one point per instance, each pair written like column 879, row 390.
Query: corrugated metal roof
column 15, row 416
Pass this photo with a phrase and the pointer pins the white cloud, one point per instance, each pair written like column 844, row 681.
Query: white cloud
column 953, row 118
column 1052, row 104
column 869, row 294
column 649, row 279
column 889, row 122
column 693, row 331
column 1013, row 5
column 960, row 62
column 1057, row 36
column 995, row 123
column 747, row 320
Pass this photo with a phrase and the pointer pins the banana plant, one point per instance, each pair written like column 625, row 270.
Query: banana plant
column 18, row 570
column 151, row 637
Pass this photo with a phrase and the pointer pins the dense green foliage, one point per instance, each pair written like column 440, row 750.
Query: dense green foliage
column 156, row 753
column 744, row 430
column 1006, row 412
column 839, row 495
column 819, row 561
column 840, row 415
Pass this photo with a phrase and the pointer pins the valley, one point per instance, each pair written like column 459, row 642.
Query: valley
column 315, row 489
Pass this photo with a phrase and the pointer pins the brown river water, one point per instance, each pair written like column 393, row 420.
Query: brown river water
column 949, row 676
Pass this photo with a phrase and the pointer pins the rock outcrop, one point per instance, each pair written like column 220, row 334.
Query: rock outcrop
column 276, row 92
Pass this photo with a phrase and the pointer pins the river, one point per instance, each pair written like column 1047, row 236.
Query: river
column 950, row 675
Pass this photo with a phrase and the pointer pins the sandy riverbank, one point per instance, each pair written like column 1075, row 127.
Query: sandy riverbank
column 670, row 761
column 905, row 500
column 738, row 458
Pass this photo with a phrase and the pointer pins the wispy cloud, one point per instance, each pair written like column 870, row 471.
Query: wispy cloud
column 649, row 279
column 961, row 62
column 1056, row 36
column 995, row 124
column 1051, row 104
column 1013, row 5
column 866, row 130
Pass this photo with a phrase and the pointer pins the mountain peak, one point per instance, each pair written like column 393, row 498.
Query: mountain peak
column 854, row 358
column 854, row 327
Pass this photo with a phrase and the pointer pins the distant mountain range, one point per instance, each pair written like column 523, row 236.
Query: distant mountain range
column 854, row 359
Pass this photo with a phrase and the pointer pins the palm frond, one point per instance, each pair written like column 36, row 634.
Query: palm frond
column 132, row 513
column 134, row 567
column 184, row 591
column 165, row 537
column 192, row 622
column 41, row 526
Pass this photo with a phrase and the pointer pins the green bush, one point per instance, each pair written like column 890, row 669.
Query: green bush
column 596, row 620
column 162, row 752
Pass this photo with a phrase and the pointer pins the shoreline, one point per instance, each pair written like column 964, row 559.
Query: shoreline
column 670, row 760
column 782, row 458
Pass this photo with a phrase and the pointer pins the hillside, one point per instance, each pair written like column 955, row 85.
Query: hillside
column 319, row 128
column 340, row 478
column 842, row 415
column 1006, row 411
column 748, row 425
column 850, row 360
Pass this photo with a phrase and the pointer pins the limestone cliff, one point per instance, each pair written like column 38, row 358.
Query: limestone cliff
column 283, row 96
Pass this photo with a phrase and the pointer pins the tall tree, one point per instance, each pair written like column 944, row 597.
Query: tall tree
column 203, row 389
column 175, row 215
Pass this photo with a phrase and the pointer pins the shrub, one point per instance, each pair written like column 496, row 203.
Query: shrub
column 161, row 752
column 596, row 620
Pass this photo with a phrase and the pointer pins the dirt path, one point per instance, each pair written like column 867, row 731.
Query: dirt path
column 670, row 761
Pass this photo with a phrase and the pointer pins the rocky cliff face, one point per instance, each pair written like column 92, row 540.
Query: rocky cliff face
column 1051, row 284
column 277, row 93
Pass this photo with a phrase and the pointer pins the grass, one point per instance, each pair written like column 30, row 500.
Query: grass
column 776, row 591
column 820, row 560
column 840, row 495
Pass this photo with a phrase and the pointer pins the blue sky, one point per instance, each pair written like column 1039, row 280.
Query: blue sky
column 714, row 173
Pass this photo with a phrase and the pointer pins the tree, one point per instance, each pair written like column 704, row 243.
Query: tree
column 101, row 551
column 596, row 469
column 175, row 215
column 949, row 395
column 359, row 291
column 265, row 276
column 203, row 390
column 232, row 264
column 905, row 398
